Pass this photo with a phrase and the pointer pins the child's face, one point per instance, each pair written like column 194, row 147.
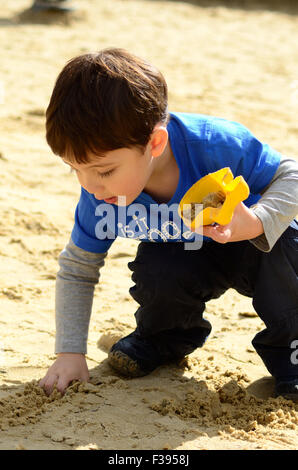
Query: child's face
column 121, row 172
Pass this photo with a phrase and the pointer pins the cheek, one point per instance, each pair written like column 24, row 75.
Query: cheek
column 83, row 181
column 126, row 182
column 79, row 178
column 134, row 184
column 130, row 182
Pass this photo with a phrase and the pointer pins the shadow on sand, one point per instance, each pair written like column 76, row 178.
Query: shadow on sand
column 175, row 412
column 29, row 16
column 286, row 6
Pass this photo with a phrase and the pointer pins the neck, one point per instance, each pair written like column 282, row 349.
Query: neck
column 161, row 164
column 164, row 177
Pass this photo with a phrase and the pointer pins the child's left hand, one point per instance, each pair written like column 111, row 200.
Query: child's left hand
column 244, row 225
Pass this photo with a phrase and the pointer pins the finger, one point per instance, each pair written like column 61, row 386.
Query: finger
column 49, row 384
column 221, row 228
column 62, row 384
column 222, row 236
column 218, row 233
column 209, row 231
column 42, row 382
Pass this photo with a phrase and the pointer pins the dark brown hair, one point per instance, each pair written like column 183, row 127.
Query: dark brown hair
column 104, row 101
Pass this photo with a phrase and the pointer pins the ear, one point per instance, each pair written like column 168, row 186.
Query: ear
column 158, row 140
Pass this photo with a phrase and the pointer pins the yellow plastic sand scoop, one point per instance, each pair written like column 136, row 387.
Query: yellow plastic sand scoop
column 219, row 193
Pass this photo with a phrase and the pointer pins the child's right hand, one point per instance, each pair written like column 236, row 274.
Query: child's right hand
column 66, row 368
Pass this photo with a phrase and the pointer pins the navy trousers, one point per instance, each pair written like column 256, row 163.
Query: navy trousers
column 172, row 286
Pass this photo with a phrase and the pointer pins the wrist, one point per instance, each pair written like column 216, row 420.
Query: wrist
column 256, row 225
column 245, row 224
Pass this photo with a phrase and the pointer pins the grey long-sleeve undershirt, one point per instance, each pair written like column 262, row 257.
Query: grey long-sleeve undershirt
column 76, row 279
column 79, row 269
column 278, row 205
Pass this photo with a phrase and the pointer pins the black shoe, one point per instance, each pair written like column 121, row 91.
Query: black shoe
column 287, row 387
column 134, row 356
column 62, row 6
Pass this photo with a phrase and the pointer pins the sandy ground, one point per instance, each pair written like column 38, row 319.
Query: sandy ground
column 238, row 63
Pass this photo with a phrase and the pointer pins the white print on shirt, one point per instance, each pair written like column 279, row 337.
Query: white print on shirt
column 160, row 223
column 294, row 355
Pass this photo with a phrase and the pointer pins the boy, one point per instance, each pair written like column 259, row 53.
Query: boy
column 108, row 119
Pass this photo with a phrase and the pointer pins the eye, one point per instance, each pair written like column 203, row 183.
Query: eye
column 108, row 173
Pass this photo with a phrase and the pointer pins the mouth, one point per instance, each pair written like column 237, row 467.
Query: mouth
column 111, row 200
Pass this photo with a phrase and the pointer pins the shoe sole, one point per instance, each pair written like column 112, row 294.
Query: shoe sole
column 124, row 364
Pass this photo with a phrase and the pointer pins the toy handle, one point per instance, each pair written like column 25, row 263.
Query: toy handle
column 236, row 192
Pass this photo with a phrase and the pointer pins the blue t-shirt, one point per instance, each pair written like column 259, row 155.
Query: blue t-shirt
column 201, row 145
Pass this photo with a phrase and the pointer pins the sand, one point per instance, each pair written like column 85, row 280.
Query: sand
column 234, row 62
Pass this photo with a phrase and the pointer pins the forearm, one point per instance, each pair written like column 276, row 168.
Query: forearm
column 278, row 205
column 76, row 279
column 251, row 228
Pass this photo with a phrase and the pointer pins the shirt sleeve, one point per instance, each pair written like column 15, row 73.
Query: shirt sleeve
column 76, row 279
column 87, row 220
column 231, row 144
column 278, row 205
